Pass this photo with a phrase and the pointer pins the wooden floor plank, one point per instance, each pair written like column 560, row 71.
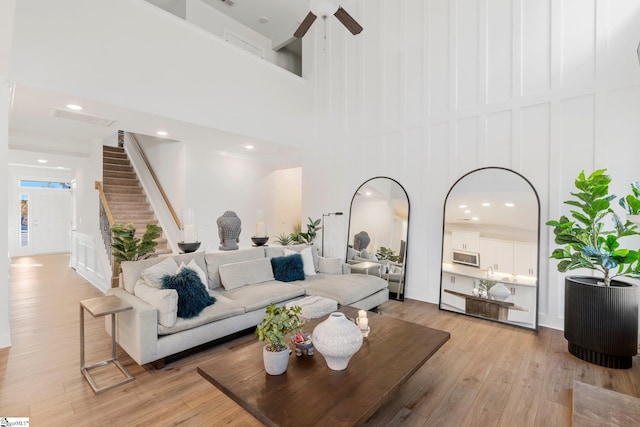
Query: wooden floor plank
column 507, row 375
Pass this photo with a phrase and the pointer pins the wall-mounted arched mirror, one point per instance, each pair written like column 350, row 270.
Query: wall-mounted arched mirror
column 378, row 230
column 490, row 247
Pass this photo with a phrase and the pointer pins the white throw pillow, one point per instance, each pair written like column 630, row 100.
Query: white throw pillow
column 330, row 265
column 193, row 265
column 307, row 260
column 153, row 275
column 164, row 300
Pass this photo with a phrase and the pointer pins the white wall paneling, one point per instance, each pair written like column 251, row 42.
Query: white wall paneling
column 524, row 84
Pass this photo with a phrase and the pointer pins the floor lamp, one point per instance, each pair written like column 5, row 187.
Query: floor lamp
column 323, row 215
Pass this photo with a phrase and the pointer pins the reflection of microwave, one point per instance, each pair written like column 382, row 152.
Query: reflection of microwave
column 466, row 258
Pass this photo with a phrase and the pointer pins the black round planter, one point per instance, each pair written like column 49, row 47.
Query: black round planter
column 601, row 322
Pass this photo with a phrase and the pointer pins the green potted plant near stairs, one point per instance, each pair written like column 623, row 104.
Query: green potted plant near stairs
column 277, row 323
column 600, row 313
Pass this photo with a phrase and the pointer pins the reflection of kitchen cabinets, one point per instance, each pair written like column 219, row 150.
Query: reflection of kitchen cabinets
column 457, row 283
column 524, row 296
column 465, row 241
column 497, row 254
column 525, row 257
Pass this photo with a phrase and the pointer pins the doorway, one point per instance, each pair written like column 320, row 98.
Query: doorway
column 44, row 220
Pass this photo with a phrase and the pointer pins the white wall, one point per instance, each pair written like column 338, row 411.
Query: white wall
column 5, row 335
column 215, row 22
column 156, row 63
column 283, row 203
column 218, row 183
column 6, row 36
column 433, row 89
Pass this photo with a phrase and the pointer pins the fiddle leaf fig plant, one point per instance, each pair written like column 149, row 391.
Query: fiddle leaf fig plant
column 631, row 202
column 308, row 237
column 126, row 247
column 585, row 243
column 277, row 323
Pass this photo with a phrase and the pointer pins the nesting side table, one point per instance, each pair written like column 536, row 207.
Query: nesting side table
column 97, row 307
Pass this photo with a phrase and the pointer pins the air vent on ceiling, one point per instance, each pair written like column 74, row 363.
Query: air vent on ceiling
column 82, row 117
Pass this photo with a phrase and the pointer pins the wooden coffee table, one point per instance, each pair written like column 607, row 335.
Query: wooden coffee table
column 310, row 393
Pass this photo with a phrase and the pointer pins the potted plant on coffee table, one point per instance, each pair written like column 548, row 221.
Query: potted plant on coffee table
column 277, row 323
column 600, row 313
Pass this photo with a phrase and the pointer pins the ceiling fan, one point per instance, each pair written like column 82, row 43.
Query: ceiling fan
column 323, row 9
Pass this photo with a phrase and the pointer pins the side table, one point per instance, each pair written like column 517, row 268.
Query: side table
column 97, row 307
column 366, row 266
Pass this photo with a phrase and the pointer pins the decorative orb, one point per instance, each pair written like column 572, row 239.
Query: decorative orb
column 323, row 7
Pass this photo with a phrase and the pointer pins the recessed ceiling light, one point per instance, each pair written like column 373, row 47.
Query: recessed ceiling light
column 162, row 133
column 249, row 147
column 475, row 218
column 509, row 204
column 467, row 211
column 60, row 167
column 486, row 204
column 462, row 206
column 263, row 19
column 42, row 161
column 74, row 107
column 367, row 193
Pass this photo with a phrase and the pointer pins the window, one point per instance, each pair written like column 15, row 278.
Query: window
column 45, row 184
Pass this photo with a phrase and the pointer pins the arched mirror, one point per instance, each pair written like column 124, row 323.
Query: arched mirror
column 378, row 230
column 490, row 248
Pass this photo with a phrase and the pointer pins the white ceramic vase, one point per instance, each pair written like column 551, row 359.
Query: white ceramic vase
column 275, row 362
column 499, row 291
column 337, row 339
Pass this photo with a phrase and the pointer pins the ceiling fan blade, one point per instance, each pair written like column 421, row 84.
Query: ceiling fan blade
column 348, row 21
column 305, row 25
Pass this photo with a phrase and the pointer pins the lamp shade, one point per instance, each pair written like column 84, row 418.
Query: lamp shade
column 323, row 8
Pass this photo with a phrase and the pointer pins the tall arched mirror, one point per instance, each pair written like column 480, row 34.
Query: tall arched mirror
column 378, row 230
column 490, row 248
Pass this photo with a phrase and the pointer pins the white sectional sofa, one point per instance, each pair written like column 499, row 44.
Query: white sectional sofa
column 242, row 283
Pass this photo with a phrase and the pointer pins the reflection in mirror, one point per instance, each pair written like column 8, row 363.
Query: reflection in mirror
column 378, row 230
column 490, row 248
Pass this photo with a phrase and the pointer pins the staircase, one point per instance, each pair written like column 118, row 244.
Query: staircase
column 125, row 195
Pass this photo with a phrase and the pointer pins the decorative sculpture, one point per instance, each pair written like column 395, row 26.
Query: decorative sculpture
column 361, row 241
column 229, row 231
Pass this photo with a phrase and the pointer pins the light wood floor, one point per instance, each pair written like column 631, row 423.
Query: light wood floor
column 487, row 374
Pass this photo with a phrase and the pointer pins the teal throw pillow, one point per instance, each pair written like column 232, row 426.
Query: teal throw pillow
column 192, row 296
column 288, row 268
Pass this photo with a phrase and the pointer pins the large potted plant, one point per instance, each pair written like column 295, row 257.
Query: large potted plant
column 600, row 313
column 277, row 323
column 125, row 246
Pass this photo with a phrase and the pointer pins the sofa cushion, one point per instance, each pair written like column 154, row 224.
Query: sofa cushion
column 301, row 247
column 216, row 259
column 131, row 270
column 154, row 275
column 255, row 297
column 192, row 296
column 307, row 260
column 193, row 265
column 288, row 268
column 345, row 288
column 245, row 273
column 352, row 253
column 330, row 265
column 222, row 309
column 164, row 300
column 274, row 251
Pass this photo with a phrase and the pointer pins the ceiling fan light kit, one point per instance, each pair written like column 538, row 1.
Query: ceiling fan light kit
column 323, row 9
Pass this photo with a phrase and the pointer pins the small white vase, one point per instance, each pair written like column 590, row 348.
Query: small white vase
column 275, row 362
column 499, row 291
column 337, row 339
